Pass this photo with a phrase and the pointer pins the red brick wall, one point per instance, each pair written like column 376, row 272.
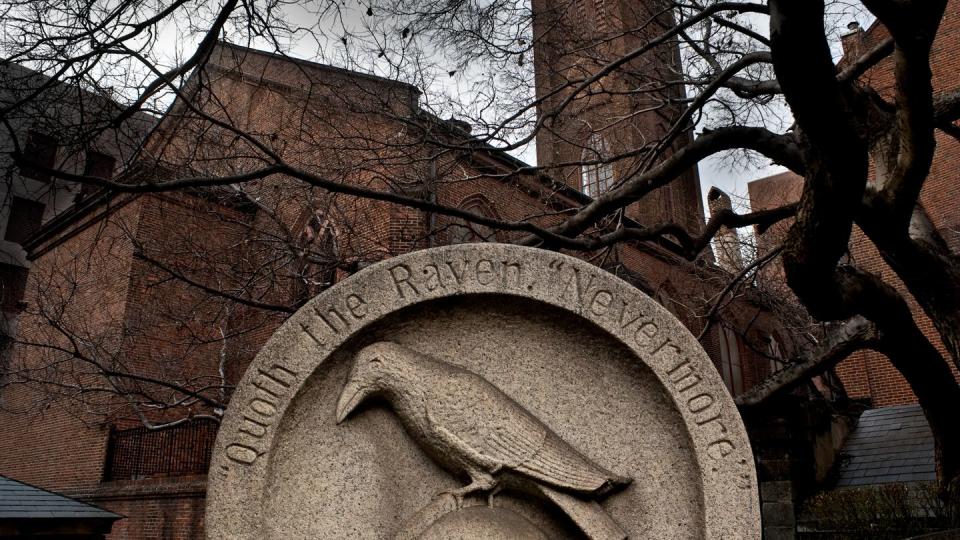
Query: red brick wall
column 870, row 374
column 575, row 40
column 939, row 195
column 170, row 517
column 170, row 509
column 47, row 441
column 866, row 374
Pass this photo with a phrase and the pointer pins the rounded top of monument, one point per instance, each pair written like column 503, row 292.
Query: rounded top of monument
column 540, row 378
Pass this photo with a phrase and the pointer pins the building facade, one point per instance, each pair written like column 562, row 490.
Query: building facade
column 142, row 311
column 623, row 117
column 49, row 131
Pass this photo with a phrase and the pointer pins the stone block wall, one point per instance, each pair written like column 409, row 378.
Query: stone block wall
column 777, row 512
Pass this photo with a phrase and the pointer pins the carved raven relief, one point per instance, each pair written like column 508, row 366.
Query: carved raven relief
column 473, row 429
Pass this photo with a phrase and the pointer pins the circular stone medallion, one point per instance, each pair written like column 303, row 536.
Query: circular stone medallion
column 571, row 400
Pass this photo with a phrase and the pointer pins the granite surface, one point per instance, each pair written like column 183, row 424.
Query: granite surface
column 526, row 379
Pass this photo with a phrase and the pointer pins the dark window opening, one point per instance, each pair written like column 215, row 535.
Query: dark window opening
column 319, row 257
column 731, row 370
column 25, row 218
column 775, row 354
column 462, row 231
column 41, row 150
column 99, row 165
column 6, row 346
column 13, row 283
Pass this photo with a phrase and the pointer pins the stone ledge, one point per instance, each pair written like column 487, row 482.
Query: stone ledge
column 779, row 533
column 153, row 488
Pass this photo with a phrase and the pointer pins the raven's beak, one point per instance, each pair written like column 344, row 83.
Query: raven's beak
column 351, row 396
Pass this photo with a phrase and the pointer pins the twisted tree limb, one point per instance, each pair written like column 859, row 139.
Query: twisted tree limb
column 854, row 335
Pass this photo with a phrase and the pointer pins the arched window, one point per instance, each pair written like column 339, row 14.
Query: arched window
column 462, row 232
column 731, row 370
column 595, row 178
column 319, row 256
column 600, row 10
column 775, row 353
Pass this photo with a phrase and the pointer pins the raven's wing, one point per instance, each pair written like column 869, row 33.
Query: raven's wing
column 499, row 428
column 559, row 464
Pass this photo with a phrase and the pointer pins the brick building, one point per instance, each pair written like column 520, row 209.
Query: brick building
column 126, row 291
column 868, row 374
column 29, row 196
column 600, row 127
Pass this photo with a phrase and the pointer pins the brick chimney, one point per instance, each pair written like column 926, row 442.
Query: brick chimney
column 726, row 242
column 852, row 41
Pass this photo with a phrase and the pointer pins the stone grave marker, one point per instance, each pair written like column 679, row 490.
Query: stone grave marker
column 482, row 391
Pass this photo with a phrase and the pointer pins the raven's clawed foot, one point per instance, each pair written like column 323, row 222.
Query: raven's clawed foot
column 479, row 483
column 496, row 489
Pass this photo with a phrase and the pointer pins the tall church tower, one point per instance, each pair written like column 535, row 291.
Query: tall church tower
column 618, row 122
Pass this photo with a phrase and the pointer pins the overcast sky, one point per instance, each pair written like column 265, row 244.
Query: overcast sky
column 715, row 171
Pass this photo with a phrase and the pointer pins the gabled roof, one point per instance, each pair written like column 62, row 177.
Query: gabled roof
column 236, row 53
column 22, row 501
column 228, row 56
column 889, row 445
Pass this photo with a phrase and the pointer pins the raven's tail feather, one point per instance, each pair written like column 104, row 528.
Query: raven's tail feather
column 592, row 519
column 612, row 485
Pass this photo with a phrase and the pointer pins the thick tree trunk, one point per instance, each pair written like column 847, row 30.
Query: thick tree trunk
column 926, row 266
column 836, row 157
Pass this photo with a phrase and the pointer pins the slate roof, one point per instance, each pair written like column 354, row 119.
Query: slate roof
column 22, row 501
column 889, row 444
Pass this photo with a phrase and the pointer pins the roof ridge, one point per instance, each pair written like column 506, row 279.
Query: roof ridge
column 317, row 65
